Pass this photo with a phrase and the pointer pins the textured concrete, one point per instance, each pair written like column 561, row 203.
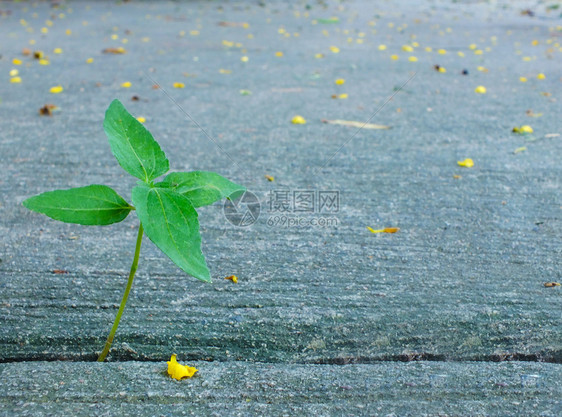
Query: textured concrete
column 242, row 389
column 463, row 278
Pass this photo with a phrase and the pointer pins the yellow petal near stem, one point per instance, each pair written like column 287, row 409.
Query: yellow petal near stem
column 179, row 371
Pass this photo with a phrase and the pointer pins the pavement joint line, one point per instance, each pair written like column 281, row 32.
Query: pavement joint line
column 428, row 358
column 368, row 120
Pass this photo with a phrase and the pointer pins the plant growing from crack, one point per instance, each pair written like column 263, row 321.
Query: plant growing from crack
column 166, row 209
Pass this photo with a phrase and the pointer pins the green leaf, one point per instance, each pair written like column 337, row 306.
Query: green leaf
column 202, row 187
column 94, row 205
column 133, row 146
column 170, row 221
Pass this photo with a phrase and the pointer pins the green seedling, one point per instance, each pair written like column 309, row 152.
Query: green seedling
column 166, row 209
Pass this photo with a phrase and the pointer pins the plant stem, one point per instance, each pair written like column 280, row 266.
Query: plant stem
column 134, row 266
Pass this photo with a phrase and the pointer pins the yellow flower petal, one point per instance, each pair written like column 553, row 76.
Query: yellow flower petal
column 467, row 163
column 14, row 72
column 234, row 278
column 15, row 80
column 441, row 51
column 126, row 84
column 141, row 119
column 541, row 76
column 56, row 89
column 179, row 85
column 385, row 230
column 279, row 54
column 298, row 120
column 340, row 81
column 179, row 371
column 57, row 51
column 523, row 129
column 343, row 96
column 480, row 89
column 407, row 48
column 394, row 57
column 89, row 60
column 44, row 62
column 412, row 59
column 334, row 49
column 382, row 47
column 523, row 79
column 16, row 61
column 244, row 59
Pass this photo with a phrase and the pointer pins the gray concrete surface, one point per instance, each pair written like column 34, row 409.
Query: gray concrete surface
column 244, row 388
column 461, row 281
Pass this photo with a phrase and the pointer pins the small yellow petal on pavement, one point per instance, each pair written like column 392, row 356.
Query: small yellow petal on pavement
column 232, row 278
column 179, row 371
column 467, row 163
